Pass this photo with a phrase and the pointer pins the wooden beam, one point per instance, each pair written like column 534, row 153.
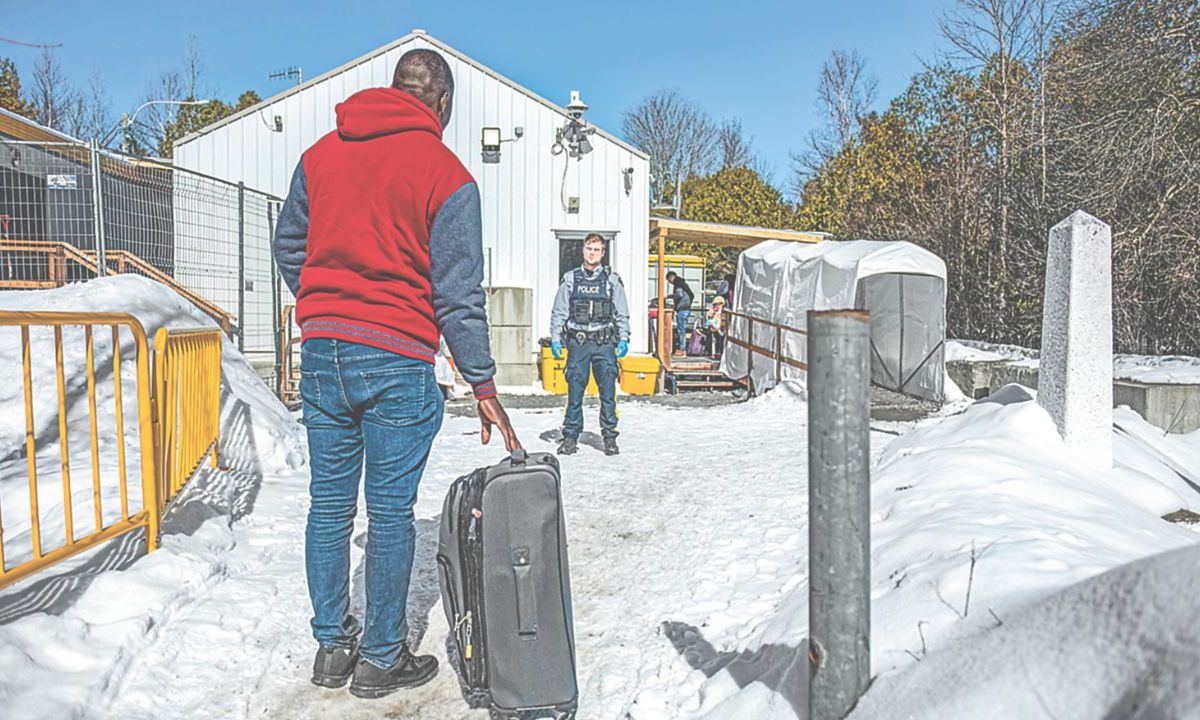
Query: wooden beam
column 663, row 357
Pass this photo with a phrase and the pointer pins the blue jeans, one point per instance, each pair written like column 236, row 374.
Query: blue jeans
column 681, row 319
column 364, row 406
column 600, row 359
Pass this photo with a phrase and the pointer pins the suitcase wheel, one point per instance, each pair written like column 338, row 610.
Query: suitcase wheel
column 497, row 714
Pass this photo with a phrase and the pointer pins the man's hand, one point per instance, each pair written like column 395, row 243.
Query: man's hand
column 556, row 349
column 491, row 412
column 622, row 348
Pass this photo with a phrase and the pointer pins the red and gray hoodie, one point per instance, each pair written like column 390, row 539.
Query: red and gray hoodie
column 380, row 237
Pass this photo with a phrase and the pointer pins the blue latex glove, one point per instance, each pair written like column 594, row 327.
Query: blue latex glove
column 556, row 349
column 622, row 348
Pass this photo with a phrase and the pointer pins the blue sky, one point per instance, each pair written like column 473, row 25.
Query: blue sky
column 754, row 60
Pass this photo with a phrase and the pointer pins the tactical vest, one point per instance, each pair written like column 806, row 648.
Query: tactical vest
column 591, row 303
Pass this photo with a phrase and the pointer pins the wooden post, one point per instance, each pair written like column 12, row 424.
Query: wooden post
column 663, row 357
column 56, row 264
column 778, row 354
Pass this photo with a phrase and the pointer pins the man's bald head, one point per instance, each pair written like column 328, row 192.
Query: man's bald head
column 425, row 75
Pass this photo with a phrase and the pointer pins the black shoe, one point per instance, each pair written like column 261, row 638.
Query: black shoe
column 332, row 667
column 610, row 446
column 409, row 671
column 568, row 446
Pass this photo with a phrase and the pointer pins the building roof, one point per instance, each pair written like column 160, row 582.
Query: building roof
column 738, row 236
column 19, row 127
column 415, row 34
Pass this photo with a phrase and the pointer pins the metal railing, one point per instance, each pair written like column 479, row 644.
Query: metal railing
column 187, row 382
column 176, row 424
column 41, row 479
column 775, row 331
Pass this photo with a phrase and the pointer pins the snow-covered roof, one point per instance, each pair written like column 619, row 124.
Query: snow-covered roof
column 414, row 35
column 863, row 258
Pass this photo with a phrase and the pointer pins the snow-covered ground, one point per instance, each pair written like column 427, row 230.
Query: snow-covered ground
column 688, row 557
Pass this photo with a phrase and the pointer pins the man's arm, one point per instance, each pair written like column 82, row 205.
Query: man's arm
column 562, row 306
column 290, row 245
column 456, row 272
column 620, row 305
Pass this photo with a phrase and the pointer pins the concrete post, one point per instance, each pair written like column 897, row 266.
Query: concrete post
column 1075, row 382
column 839, row 517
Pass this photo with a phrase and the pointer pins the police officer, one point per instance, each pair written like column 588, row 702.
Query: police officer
column 591, row 316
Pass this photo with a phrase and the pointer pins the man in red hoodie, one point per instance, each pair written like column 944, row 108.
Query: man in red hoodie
column 380, row 241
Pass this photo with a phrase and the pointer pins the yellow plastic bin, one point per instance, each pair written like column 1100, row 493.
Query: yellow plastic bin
column 554, row 375
column 639, row 374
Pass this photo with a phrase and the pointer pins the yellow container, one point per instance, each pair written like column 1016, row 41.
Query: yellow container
column 639, row 374
column 554, row 375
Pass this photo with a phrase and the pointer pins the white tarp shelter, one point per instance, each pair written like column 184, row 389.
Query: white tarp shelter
column 902, row 285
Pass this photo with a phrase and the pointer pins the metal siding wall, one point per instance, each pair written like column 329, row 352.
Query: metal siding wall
column 520, row 195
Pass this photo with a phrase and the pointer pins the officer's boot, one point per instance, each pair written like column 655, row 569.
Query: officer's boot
column 610, row 446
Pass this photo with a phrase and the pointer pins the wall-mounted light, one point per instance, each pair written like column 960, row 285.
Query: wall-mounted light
column 628, row 175
column 490, row 140
column 491, row 144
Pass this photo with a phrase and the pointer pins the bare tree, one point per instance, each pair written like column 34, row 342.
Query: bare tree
column 679, row 136
column 53, row 101
column 183, row 83
column 733, row 147
column 845, row 93
column 97, row 115
column 844, row 96
column 996, row 38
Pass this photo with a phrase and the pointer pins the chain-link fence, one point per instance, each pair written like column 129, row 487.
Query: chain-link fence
column 207, row 239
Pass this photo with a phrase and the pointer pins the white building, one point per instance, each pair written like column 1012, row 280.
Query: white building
column 537, row 205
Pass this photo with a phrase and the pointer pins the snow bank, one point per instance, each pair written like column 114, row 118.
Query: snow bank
column 1122, row 645
column 974, row 517
column 83, row 652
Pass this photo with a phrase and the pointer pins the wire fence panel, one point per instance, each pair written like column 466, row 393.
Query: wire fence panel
column 207, row 239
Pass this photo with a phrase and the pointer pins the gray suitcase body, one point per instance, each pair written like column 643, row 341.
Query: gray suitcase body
column 502, row 564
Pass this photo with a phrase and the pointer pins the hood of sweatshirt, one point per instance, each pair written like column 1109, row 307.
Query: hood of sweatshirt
column 384, row 111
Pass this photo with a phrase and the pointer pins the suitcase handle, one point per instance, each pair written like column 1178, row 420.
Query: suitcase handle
column 526, row 595
column 519, row 456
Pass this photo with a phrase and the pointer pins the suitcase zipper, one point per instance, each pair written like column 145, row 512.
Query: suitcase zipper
column 474, row 657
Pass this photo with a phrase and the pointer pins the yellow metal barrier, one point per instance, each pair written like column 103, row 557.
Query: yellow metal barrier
column 187, row 381
column 178, row 411
column 148, row 515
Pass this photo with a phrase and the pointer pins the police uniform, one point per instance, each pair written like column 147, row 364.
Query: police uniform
column 591, row 316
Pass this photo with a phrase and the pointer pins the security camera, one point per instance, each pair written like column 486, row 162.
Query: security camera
column 577, row 107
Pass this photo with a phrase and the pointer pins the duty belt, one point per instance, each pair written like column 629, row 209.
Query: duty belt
column 602, row 335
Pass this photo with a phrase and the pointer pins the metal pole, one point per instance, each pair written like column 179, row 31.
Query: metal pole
column 241, row 266
column 839, row 539
column 276, row 325
column 98, row 205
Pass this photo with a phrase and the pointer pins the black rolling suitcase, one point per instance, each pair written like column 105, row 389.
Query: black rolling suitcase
column 502, row 562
